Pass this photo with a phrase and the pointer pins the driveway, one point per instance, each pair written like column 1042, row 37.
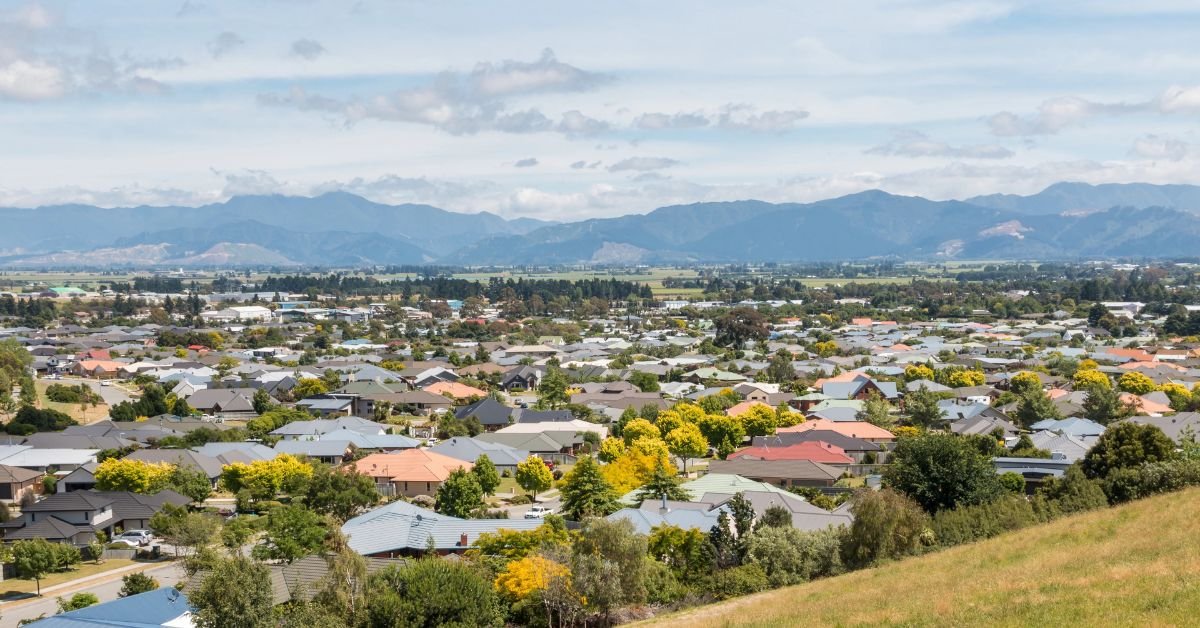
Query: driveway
column 13, row 612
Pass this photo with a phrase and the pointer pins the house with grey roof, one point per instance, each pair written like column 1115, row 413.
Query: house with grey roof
column 401, row 529
column 505, row 458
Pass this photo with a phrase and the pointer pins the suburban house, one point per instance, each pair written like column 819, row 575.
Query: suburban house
column 75, row 517
column 521, row 378
column 403, row 529
column 225, row 402
column 411, row 472
column 16, row 482
column 505, row 458
column 491, row 414
column 784, row 473
column 165, row 606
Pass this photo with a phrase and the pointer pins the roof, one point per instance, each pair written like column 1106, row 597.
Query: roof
column 455, row 389
column 411, row 465
column 210, row 466
column 401, row 526
column 855, row 429
column 487, row 410
column 17, row 475
column 791, row 469
column 469, row 449
column 720, row 483
column 159, row 607
column 846, row 443
column 815, row 451
column 74, row 501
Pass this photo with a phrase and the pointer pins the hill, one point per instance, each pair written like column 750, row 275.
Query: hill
column 1138, row 564
column 1085, row 197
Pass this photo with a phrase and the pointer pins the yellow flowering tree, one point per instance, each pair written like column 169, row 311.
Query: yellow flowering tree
column 638, row 464
column 267, row 478
column 1089, row 379
column 639, row 428
column 135, row 476
column 526, row 576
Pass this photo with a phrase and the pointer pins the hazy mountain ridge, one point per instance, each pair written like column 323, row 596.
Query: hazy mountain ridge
column 1065, row 221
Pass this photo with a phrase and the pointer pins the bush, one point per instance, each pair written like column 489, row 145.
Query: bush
column 1130, row 483
column 662, row 587
column 424, row 501
column 520, row 500
column 887, row 525
column 30, row 419
column 967, row 524
column 789, row 556
column 136, row 583
column 736, row 581
column 1072, row 493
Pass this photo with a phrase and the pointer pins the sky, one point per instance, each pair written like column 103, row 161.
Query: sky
column 564, row 110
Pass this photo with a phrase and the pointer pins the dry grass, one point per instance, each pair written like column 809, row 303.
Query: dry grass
column 76, row 411
column 19, row 586
column 1134, row 565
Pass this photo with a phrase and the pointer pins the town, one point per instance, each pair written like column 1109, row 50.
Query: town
column 421, row 448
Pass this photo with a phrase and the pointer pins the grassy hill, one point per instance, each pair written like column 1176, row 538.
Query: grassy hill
column 1134, row 565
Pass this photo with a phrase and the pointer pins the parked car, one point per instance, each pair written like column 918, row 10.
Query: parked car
column 538, row 512
column 105, row 383
column 134, row 538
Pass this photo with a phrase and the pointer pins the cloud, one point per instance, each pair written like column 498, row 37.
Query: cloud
column 467, row 103
column 1153, row 146
column 657, row 121
column 224, row 44
column 36, row 80
column 250, row 182
column 907, row 143
column 307, row 49
column 528, row 162
column 642, row 164
column 1056, row 114
column 580, row 165
column 746, row 117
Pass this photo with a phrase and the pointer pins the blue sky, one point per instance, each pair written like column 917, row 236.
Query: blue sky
column 565, row 110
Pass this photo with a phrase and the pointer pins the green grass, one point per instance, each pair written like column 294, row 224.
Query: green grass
column 20, row 586
column 1137, row 565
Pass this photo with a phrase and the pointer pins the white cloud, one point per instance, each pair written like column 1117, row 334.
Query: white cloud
column 307, row 49
column 746, row 117
column 656, row 121
column 24, row 80
column 1178, row 99
column 528, row 162
column 642, row 164
column 225, row 43
column 907, row 143
column 1153, row 146
column 1056, row 114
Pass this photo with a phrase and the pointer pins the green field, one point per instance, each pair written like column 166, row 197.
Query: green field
column 1136, row 565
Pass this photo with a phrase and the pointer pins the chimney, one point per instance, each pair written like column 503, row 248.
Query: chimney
column 462, row 540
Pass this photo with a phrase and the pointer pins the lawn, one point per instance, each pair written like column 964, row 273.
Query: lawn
column 18, row 586
column 1137, row 565
column 76, row 411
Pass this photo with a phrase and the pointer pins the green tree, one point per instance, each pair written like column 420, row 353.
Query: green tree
column 292, row 532
column 1072, row 493
column 1126, row 445
column 775, row 516
column 723, row 433
column 432, row 592
column 585, row 492
column 552, row 390
column 887, row 525
column 262, row 401
column 1104, row 406
column 191, row 482
column 1035, row 406
column 686, row 551
column 485, row 472
column 187, row 531
column 76, row 602
column 790, row 556
column 136, row 583
column 309, row 387
column 34, row 559
column 739, row 325
column 608, row 565
column 941, row 471
column 533, row 475
column 646, row 382
column 460, row 494
column 340, row 493
column 663, row 483
column 921, row 406
column 235, row 593
column 876, row 411
column 780, row 369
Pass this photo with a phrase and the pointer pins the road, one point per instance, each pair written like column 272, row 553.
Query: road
column 112, row 395
column 13, row 612
column 518, row 512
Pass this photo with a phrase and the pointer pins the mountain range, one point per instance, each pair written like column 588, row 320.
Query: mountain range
column 1064, row 221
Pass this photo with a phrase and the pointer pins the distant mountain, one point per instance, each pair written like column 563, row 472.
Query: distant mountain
column 1084, row 197
column 1065, row 221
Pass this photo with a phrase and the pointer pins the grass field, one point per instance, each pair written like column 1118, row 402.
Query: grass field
column 19, row 586
column 76, row 411
column 1137, row 565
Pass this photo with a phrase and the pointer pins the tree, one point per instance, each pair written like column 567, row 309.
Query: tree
column 235, row 593
column 608, row 565
column 585, row 492
column 552, row 390
column 226, row 365
column 191, row 482
column 135, row 476
column 685, row 442
column 34, row 559
column 686, row 551
column 189, row 531
column 721, row 536
column 922, row 408
column 460, row 494
column 485, row 472
column 1025, row 382
column 963, row 378
column 775, row 516
column 886, row 525
column 292, row 532
column 76, row 602
column 914, row 372
column 1035, row 406
column 663, row 484
column 739, row 325
column 759, row 420
column 780, row 369
column 1136, row 383
column 340, row 493
column 309, row 387
column 1089, row 379
column 1072, row 493
column 723, row 433
column 432, row 592
column 790, row 556
column 941, row 471
column 639, row 428
column 611, row 449
column 1126, row 445
column 636, row 466
column 646, row 382
column 876, row 411
column 136, row 583
column 262, row 401
column 1103, row 404
column 533, row 475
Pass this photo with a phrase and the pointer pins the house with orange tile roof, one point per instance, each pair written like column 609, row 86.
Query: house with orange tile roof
column 854, row 429
column 410, row 472
column 815, row 451
column 1144, row 406
column 455, row 390
column 100, row 369
column 744, row 407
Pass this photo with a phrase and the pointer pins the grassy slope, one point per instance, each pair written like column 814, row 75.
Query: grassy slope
column 1134, row 565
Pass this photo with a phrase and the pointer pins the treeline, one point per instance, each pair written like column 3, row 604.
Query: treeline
column 441, row 287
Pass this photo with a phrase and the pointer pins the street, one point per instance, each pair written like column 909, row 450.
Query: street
column 13, row 612
column 112, row 395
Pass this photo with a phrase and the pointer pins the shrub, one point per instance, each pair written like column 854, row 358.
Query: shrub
column 1072, row 493
column 967, row 524
column 789, row 556
column 1130, row 483
column 424, row 501
column 887, row 525
column 736, row 581
column 518, row 500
